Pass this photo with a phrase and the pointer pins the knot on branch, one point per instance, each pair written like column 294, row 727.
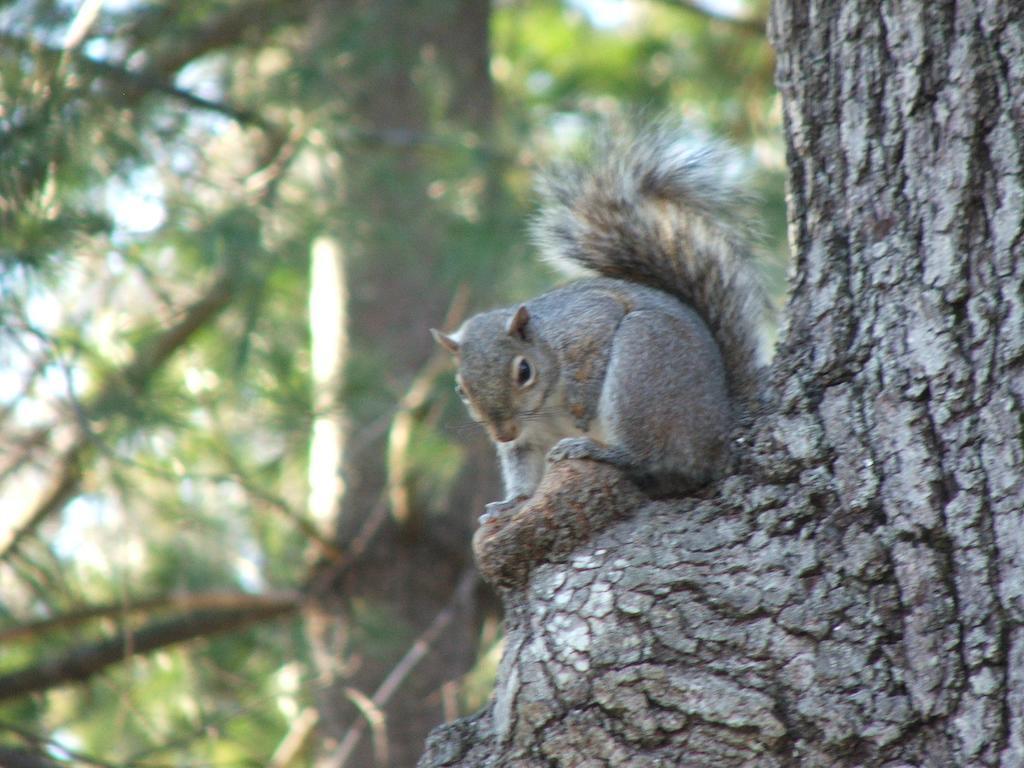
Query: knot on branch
column 575, row 500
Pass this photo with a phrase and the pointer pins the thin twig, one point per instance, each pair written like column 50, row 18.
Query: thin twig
column 296, row 739
column 324, row 576
column 373, row 715
column 9, row 759
column 339, row 757
column 415, row 397
column 142, row 81
column 118, row 388
column 326, row 547
column 62, row 487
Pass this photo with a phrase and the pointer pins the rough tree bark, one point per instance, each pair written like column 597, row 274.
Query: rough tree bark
column 853, row 593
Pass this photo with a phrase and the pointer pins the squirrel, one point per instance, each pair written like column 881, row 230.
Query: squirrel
column 645, row 365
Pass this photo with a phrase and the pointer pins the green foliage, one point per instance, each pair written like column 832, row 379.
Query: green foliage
column 189, row 148
column 550, row 58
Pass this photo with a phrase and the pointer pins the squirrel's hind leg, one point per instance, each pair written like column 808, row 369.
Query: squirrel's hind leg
column 664, row 411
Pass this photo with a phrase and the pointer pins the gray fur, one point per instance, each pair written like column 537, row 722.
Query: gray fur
column 643, row 206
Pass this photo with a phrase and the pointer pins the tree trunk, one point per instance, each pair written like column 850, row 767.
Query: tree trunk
column 408, row 582
column 853, row 593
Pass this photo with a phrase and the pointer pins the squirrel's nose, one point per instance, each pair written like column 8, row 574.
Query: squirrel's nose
column 507, row 432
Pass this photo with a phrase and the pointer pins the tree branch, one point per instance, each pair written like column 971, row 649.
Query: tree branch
column 148, row 82
column 327, row 548
column 140, row 82
column 36, row 758
column 407, row 412
column 20, row 449
column 158, row 348
column 401, row 670
column 120, row 387
column 58, row 492
column 220, row 600
column 224, row 31
column 237, row 24
column 295, row 740
column 19, row 758
column 82, row 662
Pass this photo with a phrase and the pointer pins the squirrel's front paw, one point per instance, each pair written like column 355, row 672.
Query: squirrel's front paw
column 576, row 448
column 496, row 509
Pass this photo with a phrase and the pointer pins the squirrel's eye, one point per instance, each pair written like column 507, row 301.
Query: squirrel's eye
column 460, row 391
column 522, row 371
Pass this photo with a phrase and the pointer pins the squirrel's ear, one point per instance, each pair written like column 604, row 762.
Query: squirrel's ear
column 517, row 323
column 448, row 342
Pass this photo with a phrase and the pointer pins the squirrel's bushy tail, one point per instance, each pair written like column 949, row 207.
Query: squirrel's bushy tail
column 646, row 206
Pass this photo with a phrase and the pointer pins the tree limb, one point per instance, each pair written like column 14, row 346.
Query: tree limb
column 234, row 26
column 123, row 385
column 58, row 492
column 19, row 758
column 85, row 660
column 158, row 348
column 221, row 600
column 224, row 31
column 140, row 81
column 37, row 757
column 296, row 739
column 20, row 449
column 339, row 757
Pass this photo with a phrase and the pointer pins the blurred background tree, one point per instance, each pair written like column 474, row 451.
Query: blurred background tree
column 236, row 491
